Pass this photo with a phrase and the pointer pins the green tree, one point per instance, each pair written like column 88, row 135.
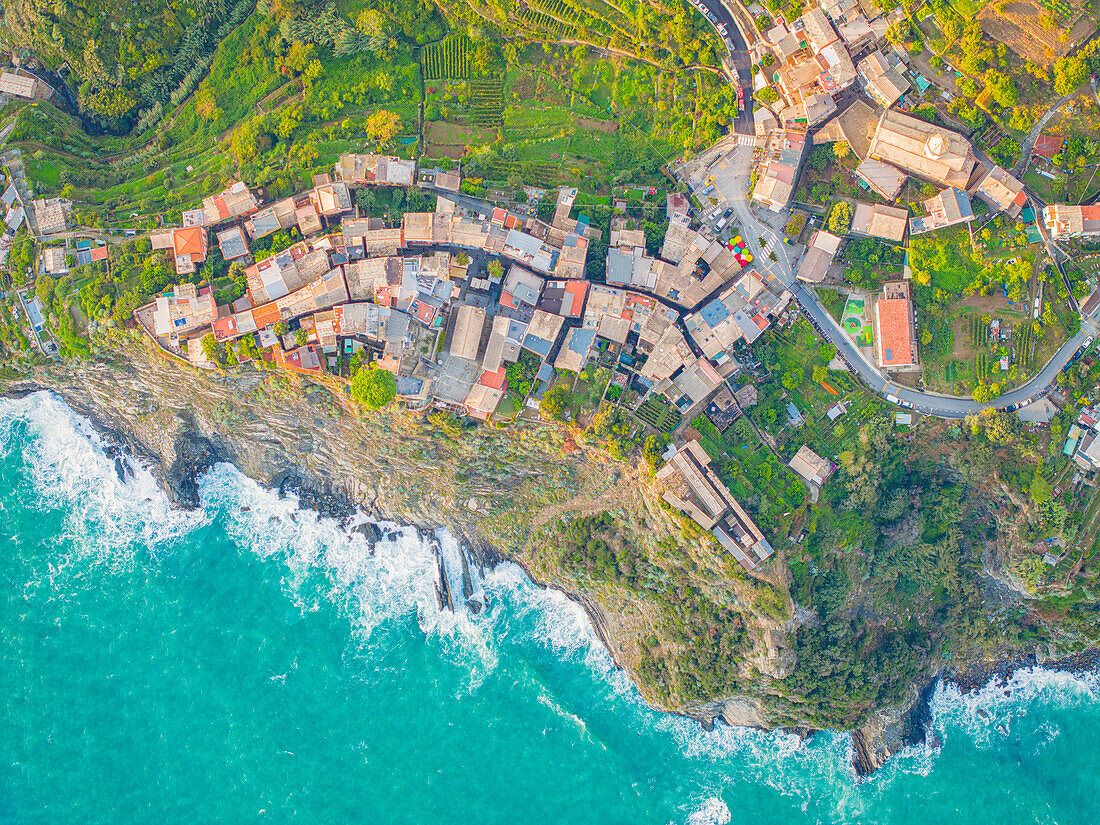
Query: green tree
column 983, row 393
column 767, row 95
column 557, row 404
column 382, row 126
column 1069, row 74
column 840, row 218
column 1002, row 89
column 213, row 350
column 374, row 387
column 652, row 448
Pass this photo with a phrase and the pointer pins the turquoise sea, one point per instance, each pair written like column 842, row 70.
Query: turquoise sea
column 251, row 662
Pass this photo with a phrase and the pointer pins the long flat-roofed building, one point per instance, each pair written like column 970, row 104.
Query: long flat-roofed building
column 704, row 498
column 469, row 323
column 184, row 310
column 379, row 170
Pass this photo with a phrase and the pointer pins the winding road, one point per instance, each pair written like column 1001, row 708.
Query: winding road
column 734, row 162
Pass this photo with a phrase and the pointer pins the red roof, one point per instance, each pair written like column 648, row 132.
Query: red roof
column 1048, row 145
column 425, row 312
column 576, row 289
column 225, row 327
column 895, row 331
column 494, row 380
column 303, row 359
column 499, row 215
column 219, row 204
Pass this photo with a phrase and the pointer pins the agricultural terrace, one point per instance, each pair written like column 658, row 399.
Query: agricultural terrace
column 1002, row 63
column 976, row 314
column 671, row 36
column 567, row 116
column 273, row 112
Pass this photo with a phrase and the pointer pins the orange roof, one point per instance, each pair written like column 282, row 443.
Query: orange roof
column 895, row 331
column 190, row 241
column 266, row 314
column 577, row 289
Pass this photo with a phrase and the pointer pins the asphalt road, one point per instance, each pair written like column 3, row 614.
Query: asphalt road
column 739, row 57
column 731, row 175
column 944, row 406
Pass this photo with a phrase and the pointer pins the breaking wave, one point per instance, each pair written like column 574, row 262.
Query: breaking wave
column 387, row 577
column 110, row 505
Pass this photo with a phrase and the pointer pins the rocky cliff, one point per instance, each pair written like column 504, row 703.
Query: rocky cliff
column 502, row 491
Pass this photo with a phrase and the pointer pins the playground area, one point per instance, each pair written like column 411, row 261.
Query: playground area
column 856, row 322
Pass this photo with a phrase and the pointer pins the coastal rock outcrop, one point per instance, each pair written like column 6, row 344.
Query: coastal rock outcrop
column 891, row 730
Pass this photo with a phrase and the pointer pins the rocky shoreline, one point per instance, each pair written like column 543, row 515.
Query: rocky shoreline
column 178, row 440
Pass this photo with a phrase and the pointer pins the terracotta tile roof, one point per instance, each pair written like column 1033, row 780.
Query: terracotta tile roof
column 577, row 289
column 189, row 241
column 895, row 331
column 266, row 315
column 494, row 380
column 1047, row 145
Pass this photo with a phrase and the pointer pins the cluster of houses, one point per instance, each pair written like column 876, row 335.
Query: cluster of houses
column 1083, row 442
column 409, row 295
column 418, row 299
column 833, row 47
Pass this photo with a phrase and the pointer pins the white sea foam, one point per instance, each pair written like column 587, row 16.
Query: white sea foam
column 712, row 811
column 70, row 470
column 987, row 714
column 393, row 579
